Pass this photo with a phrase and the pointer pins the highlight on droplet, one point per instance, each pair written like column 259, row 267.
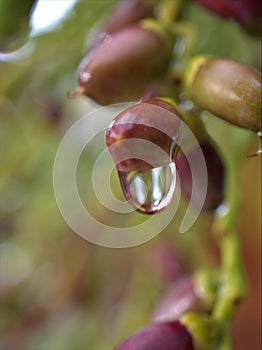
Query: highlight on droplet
column 149, row 191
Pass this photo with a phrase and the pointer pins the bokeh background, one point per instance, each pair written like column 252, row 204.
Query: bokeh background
column 59, row 291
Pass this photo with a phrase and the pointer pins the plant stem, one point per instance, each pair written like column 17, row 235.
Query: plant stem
column 233, row 287
column 226, row 338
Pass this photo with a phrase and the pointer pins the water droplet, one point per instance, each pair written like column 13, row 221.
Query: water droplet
column 149, row 191
column 222, row 210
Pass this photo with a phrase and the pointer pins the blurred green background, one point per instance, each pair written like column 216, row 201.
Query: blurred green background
column 57, row 290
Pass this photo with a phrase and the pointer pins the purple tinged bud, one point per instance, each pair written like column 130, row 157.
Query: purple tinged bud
column 156, row 122
column 245, row 12
column 215, row 172
column 181, row 297
column 124, row 64
column 162, row 336
column 126, row 13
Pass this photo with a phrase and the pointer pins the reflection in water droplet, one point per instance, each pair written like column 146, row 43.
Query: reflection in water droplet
column 222, row 210
column 150, row 191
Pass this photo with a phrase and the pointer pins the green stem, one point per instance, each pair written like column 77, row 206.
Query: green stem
column 168, row 11
column 226, row 338
column 233, row 286
column 185, row 34
column 205, row 330
column 225, row 290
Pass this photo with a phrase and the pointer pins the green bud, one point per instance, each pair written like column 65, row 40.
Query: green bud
column 206, row 283
column 229, row 89
column 14, row 23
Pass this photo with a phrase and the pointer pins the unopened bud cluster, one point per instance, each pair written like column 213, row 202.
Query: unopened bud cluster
column 131, row 59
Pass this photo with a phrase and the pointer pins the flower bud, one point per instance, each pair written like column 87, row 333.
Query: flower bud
column 229, row 89
column 123, row 65
column 245, row 12
column 181, row 297
column 126, row 13
column 162, row 336
column 215, row 172
column 156, row 122
column 14, row 23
